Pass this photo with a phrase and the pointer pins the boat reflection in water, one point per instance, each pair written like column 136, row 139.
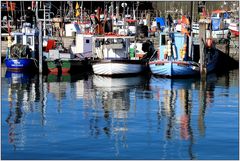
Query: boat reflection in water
column 18, row 77
column 66, row 87
column 176, row 106
column 113, row 95
column 21, row 95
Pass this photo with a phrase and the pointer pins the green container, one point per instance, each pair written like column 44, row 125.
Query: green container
column 131, row 51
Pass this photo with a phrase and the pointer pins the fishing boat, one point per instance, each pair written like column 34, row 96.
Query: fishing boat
column 173, row 60
column 61, row 60
column 21, row 52
column 112, row 57
column 220, row 22
column 234, row 28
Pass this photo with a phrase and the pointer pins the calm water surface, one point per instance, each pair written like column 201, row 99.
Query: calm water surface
column 95, row 117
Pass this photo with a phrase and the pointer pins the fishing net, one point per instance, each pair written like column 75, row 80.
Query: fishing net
column 19, row 51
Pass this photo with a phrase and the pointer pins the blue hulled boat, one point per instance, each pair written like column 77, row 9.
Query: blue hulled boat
column 21, row 53
column 173, row 60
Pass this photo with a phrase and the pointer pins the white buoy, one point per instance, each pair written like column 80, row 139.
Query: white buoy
column 169, row 48
column 174, row 51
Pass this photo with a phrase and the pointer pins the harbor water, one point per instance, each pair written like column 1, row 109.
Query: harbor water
column 86, row 116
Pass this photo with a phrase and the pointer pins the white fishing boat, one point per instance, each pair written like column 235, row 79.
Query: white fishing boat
column 112, row 57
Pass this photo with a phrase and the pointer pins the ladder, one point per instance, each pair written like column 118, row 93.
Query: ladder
column 47, row 24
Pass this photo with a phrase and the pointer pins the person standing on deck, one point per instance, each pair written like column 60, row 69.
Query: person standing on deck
column 169, row 21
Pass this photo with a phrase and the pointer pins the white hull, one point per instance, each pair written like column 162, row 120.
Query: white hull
column 117, row 68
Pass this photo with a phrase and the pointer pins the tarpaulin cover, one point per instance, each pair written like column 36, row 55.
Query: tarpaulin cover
column 161, row 21
column 216, row 24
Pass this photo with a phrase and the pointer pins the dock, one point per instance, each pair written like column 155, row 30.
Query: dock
column 233, row 48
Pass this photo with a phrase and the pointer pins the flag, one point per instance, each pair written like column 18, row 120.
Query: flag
column 77, row 6
column 77, row 10
column 185, row 23
column 185, row 20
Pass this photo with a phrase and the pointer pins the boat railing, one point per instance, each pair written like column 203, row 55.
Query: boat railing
column 153, row 56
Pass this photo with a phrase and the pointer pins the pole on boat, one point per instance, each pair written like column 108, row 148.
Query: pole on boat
column 191, row 33
column 40, row 46
column 124, row 5
column 117, row 10
column 81, row 17
column 36, row 13
column 202, row 41
column 44, row 18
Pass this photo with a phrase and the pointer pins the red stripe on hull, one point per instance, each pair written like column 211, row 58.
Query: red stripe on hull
column 55, row 70
column 236, row 33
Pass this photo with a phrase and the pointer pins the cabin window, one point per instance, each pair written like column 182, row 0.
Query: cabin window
column 111, row 41
column 18, row 40
column 163, row 39
column 214, row 15
column 87, row 41
column 119, row 40
column 29, row 40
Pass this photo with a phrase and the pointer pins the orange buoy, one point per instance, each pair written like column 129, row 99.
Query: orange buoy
column 209, row 43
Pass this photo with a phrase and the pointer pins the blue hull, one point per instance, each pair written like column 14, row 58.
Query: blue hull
column 19, row 64
column 174, row 68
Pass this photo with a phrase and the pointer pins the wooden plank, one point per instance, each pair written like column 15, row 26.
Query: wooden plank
column 202, row 41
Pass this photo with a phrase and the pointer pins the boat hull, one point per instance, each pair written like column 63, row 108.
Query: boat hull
column 56, row 66
column 174, row 68
column 234, row 28
column 118, row 67
column 235, row 32
column 19, row 64
column 67, row 66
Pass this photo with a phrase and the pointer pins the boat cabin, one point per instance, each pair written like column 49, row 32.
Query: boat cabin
column 172, row 46
column 223, row 15
column 112, row 47
column 28, row 36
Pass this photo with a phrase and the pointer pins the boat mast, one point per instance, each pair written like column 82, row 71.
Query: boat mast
column 9, row 31
column 44, row 20
column 81, row 12
column 36, row 13
column 21, row 12
column 191, row 34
